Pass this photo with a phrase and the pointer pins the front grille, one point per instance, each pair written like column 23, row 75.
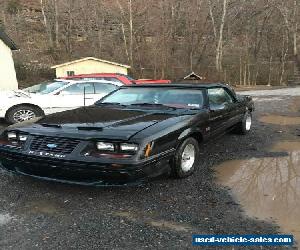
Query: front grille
column 63, row 145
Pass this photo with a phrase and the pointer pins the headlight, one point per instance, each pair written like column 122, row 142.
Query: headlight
column 126, row 147
column 23, row 138
column 105, row 146
column 16, row 137
column 12, row 136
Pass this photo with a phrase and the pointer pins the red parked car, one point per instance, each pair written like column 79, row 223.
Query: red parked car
column 150, row 81
column 114, row 77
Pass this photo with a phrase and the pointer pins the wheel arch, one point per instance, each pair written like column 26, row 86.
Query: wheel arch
column 197, row 135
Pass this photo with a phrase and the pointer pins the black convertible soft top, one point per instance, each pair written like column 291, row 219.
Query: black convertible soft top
column 178, row 85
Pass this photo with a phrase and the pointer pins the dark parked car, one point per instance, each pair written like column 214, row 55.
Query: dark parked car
column 134, row 134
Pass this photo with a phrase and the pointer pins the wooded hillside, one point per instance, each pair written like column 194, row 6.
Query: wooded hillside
column 239, row 41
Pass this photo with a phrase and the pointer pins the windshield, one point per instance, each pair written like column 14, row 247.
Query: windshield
column 46, row 88
column 173, row 97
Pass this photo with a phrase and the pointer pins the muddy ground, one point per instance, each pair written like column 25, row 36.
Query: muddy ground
column 161, row 215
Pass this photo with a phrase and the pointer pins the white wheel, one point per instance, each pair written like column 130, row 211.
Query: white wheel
column 188, row 157
column 23, row 115
column 248, row 123
column 245, row 125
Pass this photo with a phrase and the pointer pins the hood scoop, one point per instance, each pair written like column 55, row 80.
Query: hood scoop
column 90, row 128
column 51, row 125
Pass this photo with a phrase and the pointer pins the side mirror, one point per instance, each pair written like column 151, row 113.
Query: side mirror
column 240, row 98
column 62, row 93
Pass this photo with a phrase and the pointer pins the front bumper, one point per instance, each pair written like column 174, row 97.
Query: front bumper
column 83, row 173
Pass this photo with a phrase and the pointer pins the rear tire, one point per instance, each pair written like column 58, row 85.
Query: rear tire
column 186, row 158
column 23, row 113
column 244, row 127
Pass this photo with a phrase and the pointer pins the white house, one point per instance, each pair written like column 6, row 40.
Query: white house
column 8, row 79
column 89, row 65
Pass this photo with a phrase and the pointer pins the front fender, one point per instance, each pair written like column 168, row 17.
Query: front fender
column 198, row 134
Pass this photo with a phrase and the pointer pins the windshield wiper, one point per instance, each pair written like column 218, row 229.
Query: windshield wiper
column 159, row 105
column 21, row 93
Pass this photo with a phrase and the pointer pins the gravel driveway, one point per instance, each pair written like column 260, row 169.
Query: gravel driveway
column 161, row 215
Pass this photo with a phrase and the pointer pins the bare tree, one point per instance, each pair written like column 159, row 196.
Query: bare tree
column 127, row 19
column 245, row 42
column 46, row 23
column 218, row 32
column 55, row 3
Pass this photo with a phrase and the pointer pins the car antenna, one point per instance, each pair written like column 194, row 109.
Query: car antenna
column 84, row 96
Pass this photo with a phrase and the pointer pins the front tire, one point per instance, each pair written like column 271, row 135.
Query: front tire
column 186, row 158
column 23, row 113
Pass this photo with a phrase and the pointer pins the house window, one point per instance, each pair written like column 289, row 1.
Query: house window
column 70, row 73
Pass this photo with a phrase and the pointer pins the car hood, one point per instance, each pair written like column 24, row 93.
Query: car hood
column 99, row 122
column 11, row 98
column 14, row 93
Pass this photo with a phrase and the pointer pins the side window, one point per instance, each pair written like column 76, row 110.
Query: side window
column 218, row 97
column 104, row 88
column 228, row 97
column 78, row 89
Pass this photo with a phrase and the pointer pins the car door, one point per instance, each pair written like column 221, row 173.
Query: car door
column 74, row 96
column 221, row 105
column 235, row 109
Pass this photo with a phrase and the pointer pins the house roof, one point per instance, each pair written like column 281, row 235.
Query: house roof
column 8, row 41
column 90, row 58
column 194, row 76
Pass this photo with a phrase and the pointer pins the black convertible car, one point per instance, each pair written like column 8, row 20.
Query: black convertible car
column 134, row 134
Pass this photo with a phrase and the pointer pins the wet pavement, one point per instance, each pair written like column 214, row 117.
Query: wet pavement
column 280, row 120
column 269, row 187
column 273, row 92
column 261, row 169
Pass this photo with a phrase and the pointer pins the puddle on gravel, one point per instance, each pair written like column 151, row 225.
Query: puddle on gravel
column 41, row 207
column 170, row 225
column 295, row 105
column 280, row 120
column 268, row 188
column 161, row 224
column 5, row 219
